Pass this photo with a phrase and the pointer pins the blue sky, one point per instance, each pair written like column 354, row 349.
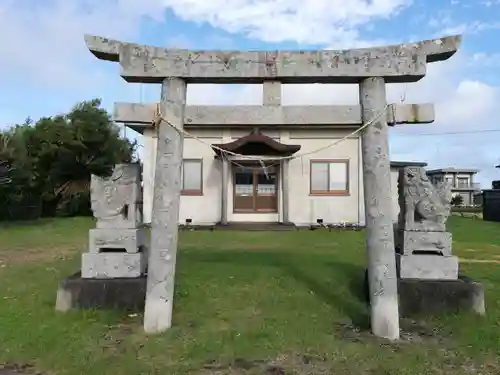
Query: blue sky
column 45, row 67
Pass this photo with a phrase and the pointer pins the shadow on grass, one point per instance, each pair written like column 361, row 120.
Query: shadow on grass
column 28, row 223
column 350, row 303
column 339, row 284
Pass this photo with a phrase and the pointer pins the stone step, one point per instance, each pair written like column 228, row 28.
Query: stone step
column 243, row 226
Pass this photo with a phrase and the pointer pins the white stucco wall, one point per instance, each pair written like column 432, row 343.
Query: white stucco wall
column 203, row 209
column 304, row 209
column 394, row 193
column 149, row 156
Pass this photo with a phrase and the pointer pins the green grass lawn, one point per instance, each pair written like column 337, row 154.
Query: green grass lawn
column 245, row 303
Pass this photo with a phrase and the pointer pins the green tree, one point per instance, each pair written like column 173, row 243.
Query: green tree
column 18, row 198
column 74, row 146
column 56, row 156
column 5, row 164
column 5, row 170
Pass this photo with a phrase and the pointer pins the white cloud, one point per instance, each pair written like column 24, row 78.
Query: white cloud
column 470, row 28
column 45, row 45
column 44, row 42
column 321, row 21
column 490, row 3
column 485, row 59
column 446, row 25
column 470, row 104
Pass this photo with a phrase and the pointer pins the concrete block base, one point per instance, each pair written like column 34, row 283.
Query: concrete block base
column 130, row 240
column 434, row 297
column 440, row 296
column 113, row 294
column 408, row 242
column 427, row 267
column 113, row 265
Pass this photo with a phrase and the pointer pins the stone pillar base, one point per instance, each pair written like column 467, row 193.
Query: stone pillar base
column 427, row 267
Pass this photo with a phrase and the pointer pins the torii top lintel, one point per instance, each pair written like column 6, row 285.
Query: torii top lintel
column 397, row 63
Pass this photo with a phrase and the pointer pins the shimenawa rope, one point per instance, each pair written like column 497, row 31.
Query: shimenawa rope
column 158, row 119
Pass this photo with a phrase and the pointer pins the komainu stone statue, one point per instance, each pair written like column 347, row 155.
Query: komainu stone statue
column 422, row 244
column 425, row 207
column 116, row 200
column 117, row 247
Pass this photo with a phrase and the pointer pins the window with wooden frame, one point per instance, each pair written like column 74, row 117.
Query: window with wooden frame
column 329, row 177
column 192, row 177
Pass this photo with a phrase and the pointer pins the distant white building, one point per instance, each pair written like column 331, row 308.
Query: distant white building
column 461, row 181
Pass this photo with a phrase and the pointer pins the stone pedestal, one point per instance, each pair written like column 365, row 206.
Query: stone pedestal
column 117, row 247
column 114, row 268
column 116, row 294
column 428, row 273
column 425, row 255
column 427, row 267
column 419, row 298
column 426, row 297
column 130, row 240
column 115, row 253
column 113, row 265
column 415, row 242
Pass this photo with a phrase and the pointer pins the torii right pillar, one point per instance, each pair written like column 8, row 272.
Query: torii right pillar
column 382, row 278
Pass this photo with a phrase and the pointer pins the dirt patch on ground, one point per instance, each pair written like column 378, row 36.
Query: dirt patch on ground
column 35, row 255
column 305, row 364
column 283, row 365
column 113, row 342
column 412, row 333
column 19, row 369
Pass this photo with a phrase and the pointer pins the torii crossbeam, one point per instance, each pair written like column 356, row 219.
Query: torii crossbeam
column 139, row 116
column 398, row 63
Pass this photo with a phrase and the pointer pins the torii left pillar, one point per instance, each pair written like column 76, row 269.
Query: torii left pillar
column 166, row 200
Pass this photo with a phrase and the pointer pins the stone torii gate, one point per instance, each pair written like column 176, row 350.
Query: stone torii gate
column 371, row 68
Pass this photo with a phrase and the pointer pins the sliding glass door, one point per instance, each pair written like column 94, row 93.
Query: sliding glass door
column 255, row 189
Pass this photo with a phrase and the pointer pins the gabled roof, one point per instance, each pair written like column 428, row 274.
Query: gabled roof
column 249, row 144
